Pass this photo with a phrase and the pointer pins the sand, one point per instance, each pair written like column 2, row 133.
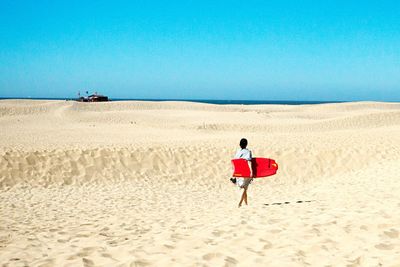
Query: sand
column 147, row 184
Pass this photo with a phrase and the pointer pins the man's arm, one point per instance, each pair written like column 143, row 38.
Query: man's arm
column 250, row 164
column 251, row 168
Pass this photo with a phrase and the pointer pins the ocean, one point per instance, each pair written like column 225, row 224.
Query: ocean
column 208, row 101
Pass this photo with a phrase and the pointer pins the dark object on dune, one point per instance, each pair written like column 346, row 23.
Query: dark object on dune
column 97, row 98
column 94, row 98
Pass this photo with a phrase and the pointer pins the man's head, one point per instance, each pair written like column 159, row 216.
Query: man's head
column 243, row 143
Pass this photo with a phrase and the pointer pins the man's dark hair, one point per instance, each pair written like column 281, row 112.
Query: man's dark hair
column 243, row 143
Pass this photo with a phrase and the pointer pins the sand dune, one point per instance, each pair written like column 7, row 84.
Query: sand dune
column 147, row 184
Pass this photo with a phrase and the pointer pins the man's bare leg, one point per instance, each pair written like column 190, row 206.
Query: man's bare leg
column 245, row 195
column 242, row 198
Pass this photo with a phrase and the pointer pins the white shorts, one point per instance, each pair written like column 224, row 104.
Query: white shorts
column 243, row 182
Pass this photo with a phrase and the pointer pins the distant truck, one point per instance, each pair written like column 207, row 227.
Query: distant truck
column 93, row 98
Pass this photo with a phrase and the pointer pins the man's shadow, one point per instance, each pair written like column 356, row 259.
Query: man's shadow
column 288, row 202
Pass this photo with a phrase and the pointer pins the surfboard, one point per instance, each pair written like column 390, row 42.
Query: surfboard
column 262, row 167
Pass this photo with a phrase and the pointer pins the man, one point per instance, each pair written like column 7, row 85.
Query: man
column 243, row 183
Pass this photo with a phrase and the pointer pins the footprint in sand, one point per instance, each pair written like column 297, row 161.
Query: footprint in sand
column 392, row 233
column 87, row 262
column 63, row 240
column 230, row 261
column 383, row 246
column 217, row 233
column 210, row 256
column 169, row 246
column 139, row 263
column 267, row 245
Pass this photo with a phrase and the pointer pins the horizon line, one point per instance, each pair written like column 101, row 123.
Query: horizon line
column 212, row 101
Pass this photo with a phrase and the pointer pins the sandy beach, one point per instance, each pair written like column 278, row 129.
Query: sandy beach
column 147, row 184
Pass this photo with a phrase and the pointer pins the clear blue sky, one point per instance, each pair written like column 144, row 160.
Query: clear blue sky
column 255, row 50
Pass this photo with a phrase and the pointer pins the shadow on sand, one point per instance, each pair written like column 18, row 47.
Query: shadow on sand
column 288, row 202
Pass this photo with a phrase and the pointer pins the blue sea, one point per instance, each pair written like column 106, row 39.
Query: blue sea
column 208, row 101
